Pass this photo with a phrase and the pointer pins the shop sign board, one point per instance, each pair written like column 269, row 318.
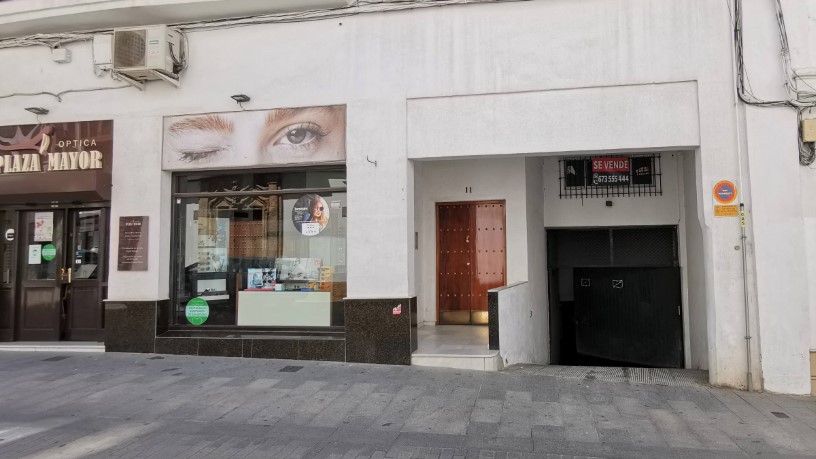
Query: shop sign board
column 610, row 171
column 55, row 147
column 725, row 195
column 133, row 243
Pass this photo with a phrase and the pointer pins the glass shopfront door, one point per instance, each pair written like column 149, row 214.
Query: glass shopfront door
column 61, row 256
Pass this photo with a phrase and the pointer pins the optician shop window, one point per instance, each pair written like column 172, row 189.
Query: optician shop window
column 259, row 233
column 260, row 249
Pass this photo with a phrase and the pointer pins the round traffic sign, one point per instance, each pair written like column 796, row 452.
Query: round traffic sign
column 725, row 192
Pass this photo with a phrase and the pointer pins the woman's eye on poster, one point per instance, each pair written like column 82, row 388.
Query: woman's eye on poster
column 256, row 138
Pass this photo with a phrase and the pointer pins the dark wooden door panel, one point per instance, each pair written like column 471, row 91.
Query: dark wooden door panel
column 88, row 259
column 39, row 311
column 454, row 258
column 84, row 312
column 470, row 259
column 41, row 314
column 489, row 256
column 7, row 257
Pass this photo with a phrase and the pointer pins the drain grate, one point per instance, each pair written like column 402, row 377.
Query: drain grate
column 56, row 358
column 290, row 369
column 158, row 357
column 170, row 369
column 780, row 415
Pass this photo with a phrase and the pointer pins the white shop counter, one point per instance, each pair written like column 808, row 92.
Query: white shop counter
column 284, row 309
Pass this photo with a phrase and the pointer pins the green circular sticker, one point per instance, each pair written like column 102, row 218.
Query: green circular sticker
column 49, row 252
column 197, row 311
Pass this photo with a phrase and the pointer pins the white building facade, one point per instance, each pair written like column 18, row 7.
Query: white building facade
column 491, row 103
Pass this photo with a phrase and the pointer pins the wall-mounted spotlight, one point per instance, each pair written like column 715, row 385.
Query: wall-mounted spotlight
column 37, row 110
column 240, row 98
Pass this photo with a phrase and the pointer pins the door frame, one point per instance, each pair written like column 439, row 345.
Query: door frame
column 20, row 264
column 439, row 204
column 16, row 210
column 82, row 334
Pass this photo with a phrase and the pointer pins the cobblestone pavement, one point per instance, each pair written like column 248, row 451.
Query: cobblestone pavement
column 146, row 406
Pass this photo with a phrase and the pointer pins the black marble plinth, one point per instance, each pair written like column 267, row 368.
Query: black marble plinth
column 381, row 330
column 144, row 326
column 178, row 346
column 273, row 349
column 493, row 320
column 221, row 347
column 130, row 326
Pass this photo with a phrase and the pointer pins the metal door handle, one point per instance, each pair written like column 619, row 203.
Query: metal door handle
column 70, row 272
column 467, row 239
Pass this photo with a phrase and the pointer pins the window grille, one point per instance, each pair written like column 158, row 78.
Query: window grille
column 576, row 181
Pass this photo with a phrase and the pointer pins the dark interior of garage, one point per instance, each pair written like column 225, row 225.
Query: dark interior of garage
column 615, row 297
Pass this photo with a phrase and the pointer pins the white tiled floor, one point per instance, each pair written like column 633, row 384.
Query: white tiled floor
column 453, row 340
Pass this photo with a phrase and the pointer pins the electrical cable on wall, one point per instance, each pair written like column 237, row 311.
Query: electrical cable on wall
column 58, row 95
column 807, row 152
column 55, row 40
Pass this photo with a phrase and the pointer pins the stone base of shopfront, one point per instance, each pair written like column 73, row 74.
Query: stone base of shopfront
column 376, row 331
column 382, row 330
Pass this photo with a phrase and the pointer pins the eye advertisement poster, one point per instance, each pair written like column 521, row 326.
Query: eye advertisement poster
column 280, row 136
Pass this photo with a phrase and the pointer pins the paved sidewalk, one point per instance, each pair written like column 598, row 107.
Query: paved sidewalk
column 140, row 405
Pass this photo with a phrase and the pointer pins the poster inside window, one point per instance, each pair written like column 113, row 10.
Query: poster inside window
column 264, row 248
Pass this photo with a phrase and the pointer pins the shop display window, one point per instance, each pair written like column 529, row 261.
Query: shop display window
column 260, row 249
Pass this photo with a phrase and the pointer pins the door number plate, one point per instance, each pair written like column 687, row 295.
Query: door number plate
column 617, row 283
column 585, row 282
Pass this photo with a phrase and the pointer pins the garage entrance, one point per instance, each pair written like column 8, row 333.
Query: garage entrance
column 615, row 297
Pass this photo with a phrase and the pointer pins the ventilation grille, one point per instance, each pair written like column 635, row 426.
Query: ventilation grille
column 129, row 47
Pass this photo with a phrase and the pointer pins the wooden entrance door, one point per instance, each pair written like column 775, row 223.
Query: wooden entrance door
column 471, row 259
column 41, row 273
column 87, row 259
column 61, row 270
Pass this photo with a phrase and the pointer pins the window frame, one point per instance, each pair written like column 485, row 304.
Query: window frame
column 177, row 177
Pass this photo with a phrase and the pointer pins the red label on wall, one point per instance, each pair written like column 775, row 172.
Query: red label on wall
column 605, row 164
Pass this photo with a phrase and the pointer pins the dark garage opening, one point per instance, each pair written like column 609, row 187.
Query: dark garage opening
column 615, row 297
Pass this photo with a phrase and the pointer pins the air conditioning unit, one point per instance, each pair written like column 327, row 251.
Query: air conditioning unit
column 147, row 53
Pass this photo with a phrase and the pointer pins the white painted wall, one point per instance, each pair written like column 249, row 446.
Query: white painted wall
column 539, row 318
column 625, row 211
column 692, row 264
column 516, row 326
column 779, row 240
column 445, row 181
column 531, row 78
column 140, row 187
column 598, row 119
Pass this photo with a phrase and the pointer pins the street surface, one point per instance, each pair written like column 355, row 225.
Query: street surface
column 70, row 405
